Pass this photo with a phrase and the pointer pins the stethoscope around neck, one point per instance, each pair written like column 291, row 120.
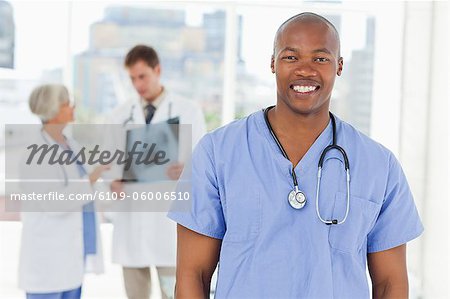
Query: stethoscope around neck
column 66, row 178
column 296, row 198
column 130, row 118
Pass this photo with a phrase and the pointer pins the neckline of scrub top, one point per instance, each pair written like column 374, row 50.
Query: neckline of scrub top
column 311, row 156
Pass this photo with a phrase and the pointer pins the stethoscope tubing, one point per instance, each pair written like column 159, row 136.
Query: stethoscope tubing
column 66, row 178
column 320, row 166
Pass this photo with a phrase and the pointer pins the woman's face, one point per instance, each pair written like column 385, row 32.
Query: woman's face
column 65, row 114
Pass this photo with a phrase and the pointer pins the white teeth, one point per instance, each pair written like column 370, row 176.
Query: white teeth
column 302, row 88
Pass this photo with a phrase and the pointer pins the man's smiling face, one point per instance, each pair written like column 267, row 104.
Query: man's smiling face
column 306, row 61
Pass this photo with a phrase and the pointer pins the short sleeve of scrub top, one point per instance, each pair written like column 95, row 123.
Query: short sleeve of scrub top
column 398, row 221
column 205, row 216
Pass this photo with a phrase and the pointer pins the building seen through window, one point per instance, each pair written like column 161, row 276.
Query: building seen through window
column 7, row 32
column 191, row 57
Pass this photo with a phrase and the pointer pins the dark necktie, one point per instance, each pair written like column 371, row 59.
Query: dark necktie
column 149, row 112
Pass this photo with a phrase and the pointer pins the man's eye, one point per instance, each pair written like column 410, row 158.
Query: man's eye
column 322, row 59
column 289, row 58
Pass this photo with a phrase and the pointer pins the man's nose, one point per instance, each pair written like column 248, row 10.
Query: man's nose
column 137, row 83
column 305, row 69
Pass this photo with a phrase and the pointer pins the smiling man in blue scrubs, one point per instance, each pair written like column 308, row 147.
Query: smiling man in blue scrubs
column 242, row 174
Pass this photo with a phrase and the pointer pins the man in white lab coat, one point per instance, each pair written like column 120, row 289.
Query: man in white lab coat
column 142, row 240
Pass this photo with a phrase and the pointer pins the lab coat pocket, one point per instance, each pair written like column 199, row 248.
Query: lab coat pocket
column 243, row 219
column 351, row 235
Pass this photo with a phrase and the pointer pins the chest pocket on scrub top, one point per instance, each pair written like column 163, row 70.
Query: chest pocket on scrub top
column 350, row 236
column 243, row 214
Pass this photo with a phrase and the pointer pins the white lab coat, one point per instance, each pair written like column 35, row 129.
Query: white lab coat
column 51, row 251
column 143, row 239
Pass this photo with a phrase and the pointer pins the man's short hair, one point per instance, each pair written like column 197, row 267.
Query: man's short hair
column 311, row 17
column 144, row 53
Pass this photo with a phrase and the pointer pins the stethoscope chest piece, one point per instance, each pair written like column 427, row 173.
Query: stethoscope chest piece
column 297, row 199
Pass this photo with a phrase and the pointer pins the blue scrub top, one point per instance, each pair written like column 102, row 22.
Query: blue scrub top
column 240, row 184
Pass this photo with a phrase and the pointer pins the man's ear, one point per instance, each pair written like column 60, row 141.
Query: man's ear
column 272, row 64
column 340, row 66
column 157, row 69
